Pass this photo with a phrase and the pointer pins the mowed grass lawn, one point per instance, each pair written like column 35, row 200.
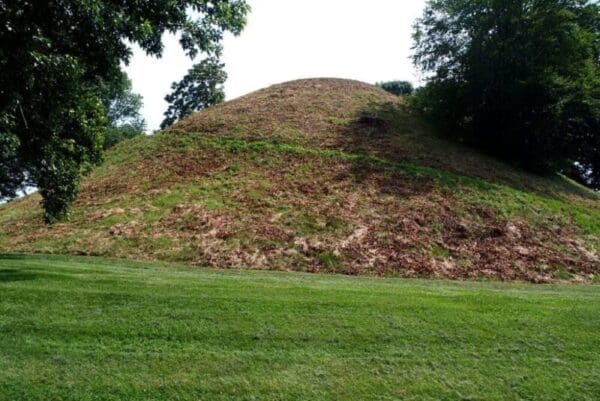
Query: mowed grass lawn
column 93, row 329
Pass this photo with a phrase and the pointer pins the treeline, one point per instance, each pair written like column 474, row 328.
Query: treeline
column 517, row 78
column 63, row 95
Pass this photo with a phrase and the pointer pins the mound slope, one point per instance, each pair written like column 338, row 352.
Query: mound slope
column 320, row 175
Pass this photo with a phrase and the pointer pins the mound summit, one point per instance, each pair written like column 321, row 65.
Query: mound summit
column 320, row 175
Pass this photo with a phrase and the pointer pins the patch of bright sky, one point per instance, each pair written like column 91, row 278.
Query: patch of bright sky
column 285, row 40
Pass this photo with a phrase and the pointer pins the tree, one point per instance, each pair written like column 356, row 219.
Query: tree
column 123, row 106
column 202, row 87
column 398, row 88
column 124, row 118
column 115, row 135
column 12, row 175
column 520, row 78
column 58, row 62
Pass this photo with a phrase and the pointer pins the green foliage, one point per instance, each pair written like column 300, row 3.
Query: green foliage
column 60, row 69
column 12, row 175
column 520, row 78
column 64, row 160
column 398, row 88
column 118, row 134
column 202, row 87
column 123, row 106
column 124, row 118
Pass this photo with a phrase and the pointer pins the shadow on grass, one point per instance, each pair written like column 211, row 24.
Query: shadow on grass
column 13, row 256
column 11, row 275
column 390, row 131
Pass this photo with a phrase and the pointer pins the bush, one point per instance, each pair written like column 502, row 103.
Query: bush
column 115, row 135
column 398, row 88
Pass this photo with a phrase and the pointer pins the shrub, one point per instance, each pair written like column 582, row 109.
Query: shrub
column 398, row 88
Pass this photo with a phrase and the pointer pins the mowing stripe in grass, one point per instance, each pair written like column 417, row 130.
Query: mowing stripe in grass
column 93, row 329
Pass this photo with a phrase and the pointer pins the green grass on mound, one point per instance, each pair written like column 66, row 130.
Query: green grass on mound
column 94, row 329
column 320, row 175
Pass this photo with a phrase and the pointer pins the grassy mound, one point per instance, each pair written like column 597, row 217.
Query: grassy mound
column 321, row 175
column 91, row 329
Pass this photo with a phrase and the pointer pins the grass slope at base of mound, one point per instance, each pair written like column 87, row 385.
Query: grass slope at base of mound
column 320, row 175
column 223, row 202
column 93, row 329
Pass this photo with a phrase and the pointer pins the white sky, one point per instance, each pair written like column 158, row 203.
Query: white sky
column 293, row 39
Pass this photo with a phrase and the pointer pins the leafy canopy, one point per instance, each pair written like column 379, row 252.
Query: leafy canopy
column 520, row 78
column 202, row 87
column 124, row 118
column 59, row 67
column 398, row 88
